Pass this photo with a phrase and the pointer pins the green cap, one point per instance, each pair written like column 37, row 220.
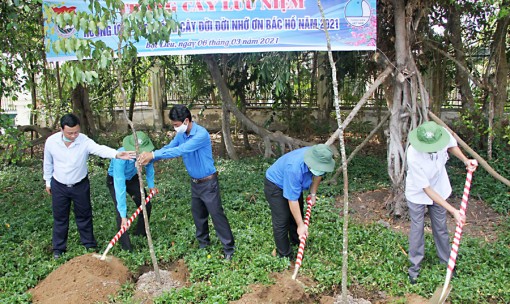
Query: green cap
column 320, row 158
column 429, row 137
column 144, row 142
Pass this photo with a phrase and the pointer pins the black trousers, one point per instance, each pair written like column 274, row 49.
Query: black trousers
column 133, row 189
column 61, row 197
column 205, row 201
column 284, row 225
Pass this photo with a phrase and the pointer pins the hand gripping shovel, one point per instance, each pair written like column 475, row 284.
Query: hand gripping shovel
column 125, row 228
column 301, row 249
column 439, row 297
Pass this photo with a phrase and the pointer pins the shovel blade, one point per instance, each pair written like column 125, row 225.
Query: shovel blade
column 436, row 297
column 102, row 258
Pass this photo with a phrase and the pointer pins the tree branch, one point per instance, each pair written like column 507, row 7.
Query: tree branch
column 471, row 152
column 380, row 79
column 457, row 63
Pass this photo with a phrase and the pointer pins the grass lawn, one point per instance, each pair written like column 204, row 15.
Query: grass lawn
column 375, row 260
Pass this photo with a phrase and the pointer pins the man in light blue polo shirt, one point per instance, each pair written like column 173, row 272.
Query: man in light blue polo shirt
column 123, row 178
column 193, row 143
column 298, row 170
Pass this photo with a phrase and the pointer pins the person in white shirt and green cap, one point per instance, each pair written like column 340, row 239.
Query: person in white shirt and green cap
column 122, row 179
column 428, row 187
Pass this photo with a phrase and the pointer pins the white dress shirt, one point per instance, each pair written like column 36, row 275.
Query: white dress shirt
column 427, row 169
column 68, row 165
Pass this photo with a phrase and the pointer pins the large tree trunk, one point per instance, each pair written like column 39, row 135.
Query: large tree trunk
column 225, row 124
column 81, row 108
column 438, row 82
column 267, row 137
column 455, row 37
column 499, row 50
column 226, row 134
column 242, row 100
column 157, row 97
column 59, row 89
column 323, row 93
column 405, row 111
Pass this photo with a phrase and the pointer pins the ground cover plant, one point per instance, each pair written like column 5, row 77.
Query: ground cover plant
column 376, row 261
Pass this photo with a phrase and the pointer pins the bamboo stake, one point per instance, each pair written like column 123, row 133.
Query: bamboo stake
column 344, row 160
column 138, row 167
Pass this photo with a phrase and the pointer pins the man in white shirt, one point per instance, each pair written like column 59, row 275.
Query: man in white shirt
column 66, row 176
column 428, row 186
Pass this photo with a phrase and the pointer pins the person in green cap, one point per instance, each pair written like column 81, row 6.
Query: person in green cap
column 428, row 186
column 285, row 181
column 123, row 177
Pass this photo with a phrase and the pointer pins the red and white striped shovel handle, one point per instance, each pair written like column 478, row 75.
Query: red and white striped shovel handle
column 301, row 249
column 129, row 221
column 458, row 233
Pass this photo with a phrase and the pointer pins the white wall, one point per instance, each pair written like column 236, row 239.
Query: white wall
column 211, row 118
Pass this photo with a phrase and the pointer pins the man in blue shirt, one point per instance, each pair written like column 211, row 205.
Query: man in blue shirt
column 193, row 143
column 122, row 177
column 285, row 181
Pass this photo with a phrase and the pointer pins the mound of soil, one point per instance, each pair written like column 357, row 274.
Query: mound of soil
column 83, row 279
column 284, row 290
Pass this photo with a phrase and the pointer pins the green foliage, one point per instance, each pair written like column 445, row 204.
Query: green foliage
column 301, row 122
column 506, row 134
column 96, row 61
column 376, row 261
column 483, row 185
column 19, row 21
column 12, row 141
column 150, row 21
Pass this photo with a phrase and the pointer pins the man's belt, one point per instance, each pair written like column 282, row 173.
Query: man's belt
column 204, row 179
column 75, row 184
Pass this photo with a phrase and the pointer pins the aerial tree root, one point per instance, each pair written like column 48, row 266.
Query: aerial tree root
column 43, row 132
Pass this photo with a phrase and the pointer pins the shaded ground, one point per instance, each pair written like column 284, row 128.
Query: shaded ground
column 84, row 279
column 369, row 207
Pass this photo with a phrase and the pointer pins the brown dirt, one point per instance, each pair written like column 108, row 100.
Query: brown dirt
column 284, row 290
column 369, row 207
column 83, row 279
column 173, row 276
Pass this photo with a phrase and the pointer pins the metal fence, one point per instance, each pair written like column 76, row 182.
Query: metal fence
column 8, row 105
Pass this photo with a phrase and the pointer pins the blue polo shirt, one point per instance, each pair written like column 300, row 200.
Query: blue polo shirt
column 195, row 150
column 291, row 174
column 123, row 170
